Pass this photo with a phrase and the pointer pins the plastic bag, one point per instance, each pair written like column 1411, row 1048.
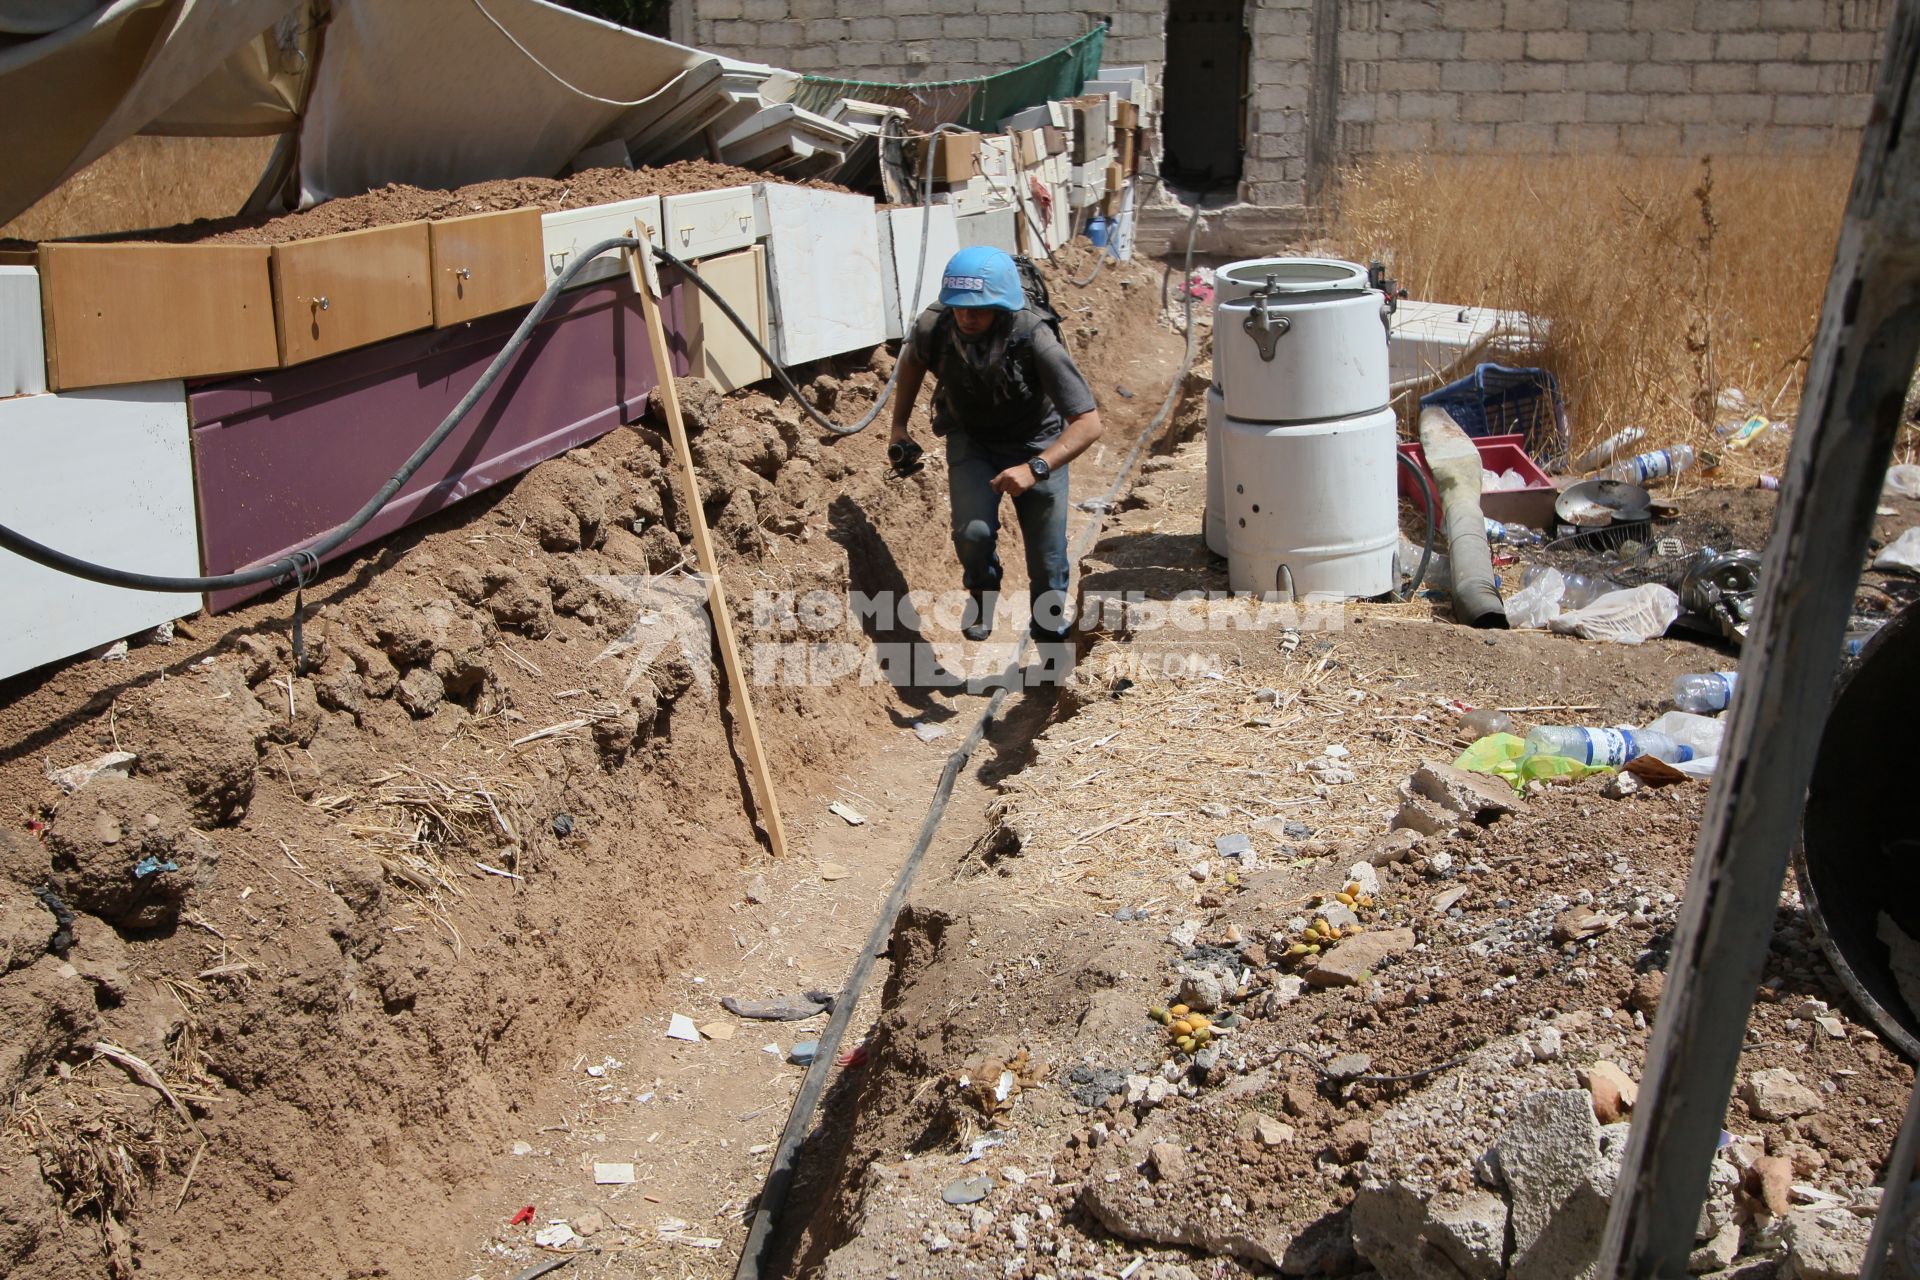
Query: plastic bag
column 1504, row 755
column 1533, row 606
column 1623, row 617
column 1903, row 481
column 1903, row 553
column 1702, row 733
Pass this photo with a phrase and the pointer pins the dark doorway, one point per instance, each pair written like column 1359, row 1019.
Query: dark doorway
column 1204, row 123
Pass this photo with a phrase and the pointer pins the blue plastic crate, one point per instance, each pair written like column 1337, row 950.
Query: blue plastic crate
column 1498, row 401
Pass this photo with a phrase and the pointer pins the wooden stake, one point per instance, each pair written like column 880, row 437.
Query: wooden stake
column 647, row 285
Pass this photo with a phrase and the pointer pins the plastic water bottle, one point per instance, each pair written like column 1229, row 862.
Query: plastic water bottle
column 1517, row 534
column 1658, row 465
column 1770, row 483
column 1706, row 693
column 1605, row 453
column 1613, row 747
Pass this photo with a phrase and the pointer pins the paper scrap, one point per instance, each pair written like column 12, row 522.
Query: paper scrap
column 854, row 818
column 680, row 1027
column 718, row 1031
column 612, row 1173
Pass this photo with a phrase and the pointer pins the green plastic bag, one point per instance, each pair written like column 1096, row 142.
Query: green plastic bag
column 1504, row 755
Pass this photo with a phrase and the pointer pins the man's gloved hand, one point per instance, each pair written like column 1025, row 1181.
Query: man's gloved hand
column 904, row 457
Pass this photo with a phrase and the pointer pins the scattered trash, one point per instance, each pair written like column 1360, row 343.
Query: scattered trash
column 780, row 1009
column 1612, row 747
column 1122, row 391
column 612, row 1173
column 1660, row 464
column 718, row 1031
column 1478, row 722
column 852, row 816
column 803, row 1053
column 1232, row 846
column 556, row 1236
column 1096, row 506
column 1632, row 616
column 1669, row 547
column 1902, row 554
column 521, row 1218
column 523, row 1149
column 115, row 652
column 1607, row 452
column 676, row 1231
column 967, row 1190
column 1720, row 589
column 1702, row 733
column 152, row 866
column 850, row 1058
column 1770, row 483
column 162, row 634
column 680, row 1027
column 1505, row 756
column 114, row 764
column 1537, row 603
column 834, row 871
column 982, row 1144
column 929, row 732
column 562, row 825
column 599, row 1070
column 1706, row 692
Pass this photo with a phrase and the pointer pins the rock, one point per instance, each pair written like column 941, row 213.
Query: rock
column 1355, row 959
column 1285, row 991
column 420, row 692
column 1270, row 1132
column 1201, row 989
column 1549, row 1151
column 1546, row 1044
column 1349, row 1066
column 1577, row 924
column 1184, row 934
column 1437, row 863
column 1445, row 900
column 124, row 849
column 782, row 1009
column 591, row 1222
column 1169, row 1161
column 1396, row 846
column 1200, row 871
column 1423, row 818
column 1471, row 797
column 1613, row 1091
column 1824, row 1244
column 1770, row 1181
column 114, row 764
column 1620, row 786
column 1718, row 1253
column 1336, row 915
column 1363, row 874
column 1777, row 1094
column 1450, row 1236
column 757, row 891
column 1645, row 997
column 1350, row 1141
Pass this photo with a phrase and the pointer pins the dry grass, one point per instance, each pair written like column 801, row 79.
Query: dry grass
column 1664, row 281
column 148, row 182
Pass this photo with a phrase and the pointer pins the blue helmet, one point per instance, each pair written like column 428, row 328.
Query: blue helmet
column 982, row 276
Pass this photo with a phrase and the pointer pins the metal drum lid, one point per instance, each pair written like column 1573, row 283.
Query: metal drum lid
column 1237, row 280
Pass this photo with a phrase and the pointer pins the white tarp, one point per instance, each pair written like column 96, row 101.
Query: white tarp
column 79, row 90
column 438, row 93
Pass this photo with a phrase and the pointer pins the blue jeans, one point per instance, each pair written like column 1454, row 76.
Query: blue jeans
column 1042, row 512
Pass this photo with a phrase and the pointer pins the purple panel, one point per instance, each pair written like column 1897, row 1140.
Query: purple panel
column 281, row 457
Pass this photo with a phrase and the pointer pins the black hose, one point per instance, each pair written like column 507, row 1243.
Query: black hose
column 1433, row 517
column 302, row 562
column 780, row 1176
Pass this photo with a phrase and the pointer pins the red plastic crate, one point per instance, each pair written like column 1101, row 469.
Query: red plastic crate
column 1531, row 506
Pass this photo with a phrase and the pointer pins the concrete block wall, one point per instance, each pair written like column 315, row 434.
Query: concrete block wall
column 1334, row 81
column 914, row 40
column 1636, row 76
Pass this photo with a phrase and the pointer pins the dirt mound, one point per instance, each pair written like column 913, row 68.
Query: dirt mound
column 124, row 850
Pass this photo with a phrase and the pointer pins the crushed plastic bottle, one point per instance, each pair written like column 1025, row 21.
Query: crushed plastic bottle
column 1512, row 532
column 1611, row 747
column 1582, row 589
column 1657, row 465
column 1705, row 692
column 1702, row 733
column 1608, row 451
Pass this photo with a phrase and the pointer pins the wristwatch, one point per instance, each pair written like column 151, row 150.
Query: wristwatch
column 1039, row 466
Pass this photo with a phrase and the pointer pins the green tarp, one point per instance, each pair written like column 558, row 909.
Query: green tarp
column 980, row 103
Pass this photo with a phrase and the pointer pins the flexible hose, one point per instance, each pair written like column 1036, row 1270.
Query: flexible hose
column 780, row 1176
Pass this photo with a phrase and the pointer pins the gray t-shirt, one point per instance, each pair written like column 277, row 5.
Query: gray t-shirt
column 1025, row 426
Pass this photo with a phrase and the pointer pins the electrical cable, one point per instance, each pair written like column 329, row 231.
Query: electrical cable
column 782, row 1172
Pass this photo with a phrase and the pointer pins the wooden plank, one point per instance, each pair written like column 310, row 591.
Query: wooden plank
column 486, row 263
column 334, row 293
column 1863, row 358
column 721, row 353
column 769, row 804
column 117, row 313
